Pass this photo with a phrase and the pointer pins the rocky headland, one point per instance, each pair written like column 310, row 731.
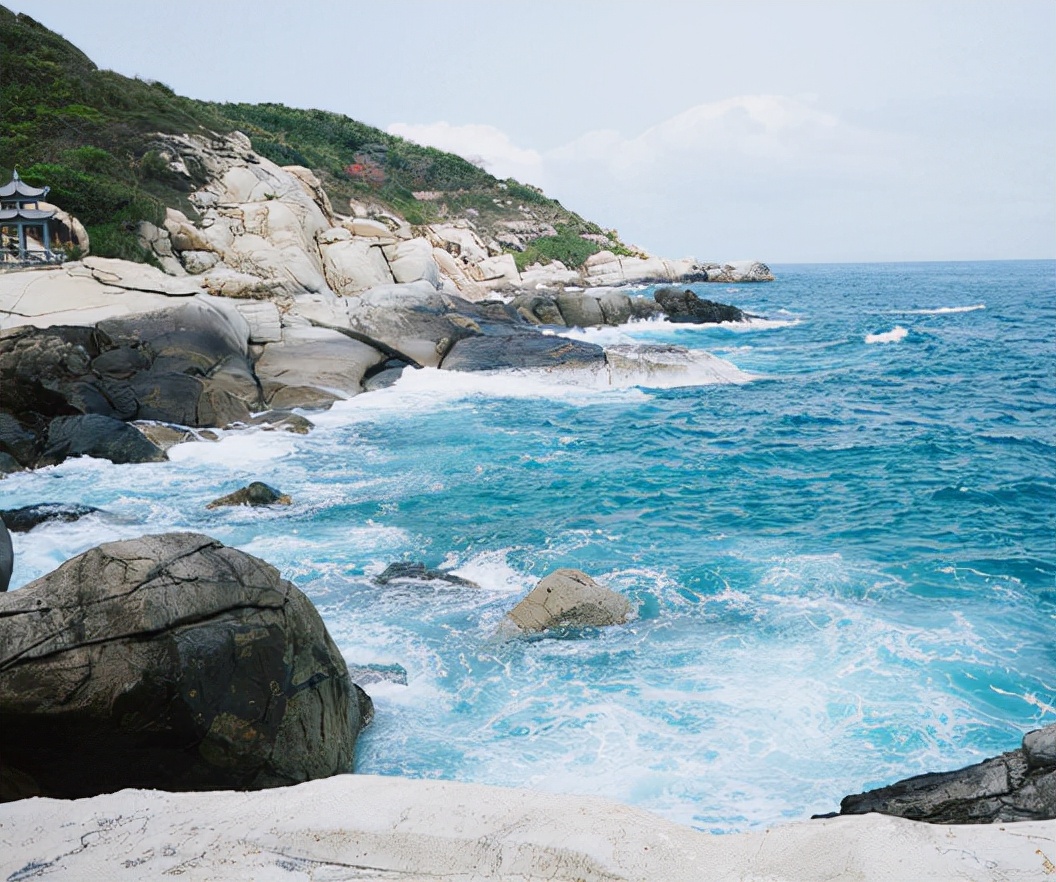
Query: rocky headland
column 270, row 300
column 173, row 662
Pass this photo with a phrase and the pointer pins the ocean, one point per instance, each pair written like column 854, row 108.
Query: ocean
column 841, row 546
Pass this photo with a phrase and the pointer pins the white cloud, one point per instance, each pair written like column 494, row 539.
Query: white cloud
column 482, row 144
column 751, row 174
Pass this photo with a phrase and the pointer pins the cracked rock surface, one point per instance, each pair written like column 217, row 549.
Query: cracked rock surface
column 567, row 598
column 1016, row 786
column 169, row 662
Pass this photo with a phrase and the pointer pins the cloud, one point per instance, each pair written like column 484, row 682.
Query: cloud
column 780, row 178
column 481, row 144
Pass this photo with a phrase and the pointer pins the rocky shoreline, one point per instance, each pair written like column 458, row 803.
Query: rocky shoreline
column 220, row 674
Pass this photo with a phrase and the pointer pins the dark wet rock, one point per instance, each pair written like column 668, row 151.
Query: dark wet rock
column 567, row 599
column 8, row 464
column 645, row 308
column 418, row 572
column 385, row 375
column 366, row 675
column 188, row 365
column 257, row 493
column 1017, row 786
column 169, row 662
column 16, row 441
column 685, row 307
column 531, row 350
column 24, row 519
column 103, row 437
column 7, row 557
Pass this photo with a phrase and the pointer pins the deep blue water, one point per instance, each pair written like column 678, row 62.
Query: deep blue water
column 844, row 569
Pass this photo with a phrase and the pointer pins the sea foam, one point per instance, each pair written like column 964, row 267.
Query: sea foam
column 895, row 335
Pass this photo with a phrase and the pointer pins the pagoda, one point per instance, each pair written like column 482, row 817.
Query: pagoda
column 19, row 210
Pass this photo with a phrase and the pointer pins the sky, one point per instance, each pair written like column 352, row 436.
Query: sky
column 795, row 131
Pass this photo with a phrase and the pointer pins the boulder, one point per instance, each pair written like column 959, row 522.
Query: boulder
column 352, row 265
column 567, row 598
column 616, row 308
column 313, row 367
column 1016, row 786
column 24, row 519
column 685, row 307
column 256, row 493
column 525, row 350
column 413, row 261
column 497, row 271
column 103, row 437
column 418, row 572
column 169, row 662
column 539, row 309
column 550, row 275
column 414, row 319
column 580, row 310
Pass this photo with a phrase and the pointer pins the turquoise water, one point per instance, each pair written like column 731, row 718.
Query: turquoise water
column 844, row 569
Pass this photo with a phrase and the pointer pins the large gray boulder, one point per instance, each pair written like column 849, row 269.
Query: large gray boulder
column 1016, row 786
column 580, row 310
column 313, row 367
column 567, row 599
column 169, row 662
column 414, row 319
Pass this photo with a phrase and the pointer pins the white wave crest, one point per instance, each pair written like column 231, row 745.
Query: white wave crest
column 668, row 367
column 895, row 335
column 945, row 310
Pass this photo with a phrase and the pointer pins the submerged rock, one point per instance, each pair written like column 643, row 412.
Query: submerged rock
column 24, row 519
column 567, row 598
column 418, row 572
column 1016, row 786
column 169, row 662
column 257, row 493
column 366, row 675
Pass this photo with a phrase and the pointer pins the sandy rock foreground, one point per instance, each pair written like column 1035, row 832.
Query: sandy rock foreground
column 368, row 827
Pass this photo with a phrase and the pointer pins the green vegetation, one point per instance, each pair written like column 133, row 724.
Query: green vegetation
column 89, row 133
column 566, row 246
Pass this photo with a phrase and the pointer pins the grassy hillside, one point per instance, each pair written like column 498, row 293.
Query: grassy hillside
column 86, row 133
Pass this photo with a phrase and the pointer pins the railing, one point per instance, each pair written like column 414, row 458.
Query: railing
column 15, row 260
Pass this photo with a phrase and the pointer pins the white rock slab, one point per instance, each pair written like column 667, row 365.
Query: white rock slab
column 70, row 295
column 368, row 827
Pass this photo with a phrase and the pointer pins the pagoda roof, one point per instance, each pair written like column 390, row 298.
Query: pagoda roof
column 17, row 187
column 26, row 214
